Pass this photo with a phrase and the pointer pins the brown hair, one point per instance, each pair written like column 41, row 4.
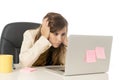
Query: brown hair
column 52, row 55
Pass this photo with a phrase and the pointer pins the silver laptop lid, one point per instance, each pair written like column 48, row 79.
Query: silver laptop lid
column 87, row 54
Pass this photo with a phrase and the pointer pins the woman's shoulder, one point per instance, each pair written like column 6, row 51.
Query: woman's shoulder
column 31, row 32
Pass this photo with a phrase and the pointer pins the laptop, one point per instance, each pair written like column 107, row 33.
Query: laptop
column 86, row 54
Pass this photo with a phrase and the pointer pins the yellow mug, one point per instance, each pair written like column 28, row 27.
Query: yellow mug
column 6, row 63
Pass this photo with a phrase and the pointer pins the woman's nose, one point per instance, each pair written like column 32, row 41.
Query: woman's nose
column 59, row 38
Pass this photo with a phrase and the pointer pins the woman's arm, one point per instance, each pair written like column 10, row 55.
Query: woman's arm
column 30, row 51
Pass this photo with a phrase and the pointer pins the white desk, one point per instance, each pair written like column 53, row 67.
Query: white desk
column 44, row 74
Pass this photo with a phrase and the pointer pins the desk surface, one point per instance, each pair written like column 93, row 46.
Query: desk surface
column 44, row 74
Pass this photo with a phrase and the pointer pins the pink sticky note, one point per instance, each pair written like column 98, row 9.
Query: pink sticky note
column 28, row 69
column 100, row 53
column 90, row 56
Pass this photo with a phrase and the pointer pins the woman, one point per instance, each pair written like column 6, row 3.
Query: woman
column 45, row 45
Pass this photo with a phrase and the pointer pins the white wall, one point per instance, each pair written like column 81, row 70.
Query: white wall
column 100, row 17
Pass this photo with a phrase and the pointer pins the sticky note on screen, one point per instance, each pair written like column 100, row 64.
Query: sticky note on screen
column 90, row 56
column 100, row 53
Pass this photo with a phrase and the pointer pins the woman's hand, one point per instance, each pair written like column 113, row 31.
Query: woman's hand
column 45, row 29
column 65, row 42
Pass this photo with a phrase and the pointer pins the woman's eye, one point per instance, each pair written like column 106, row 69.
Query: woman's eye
column 56, row 34
column 63, row 34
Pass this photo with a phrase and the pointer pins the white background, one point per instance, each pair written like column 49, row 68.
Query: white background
column 95, row 17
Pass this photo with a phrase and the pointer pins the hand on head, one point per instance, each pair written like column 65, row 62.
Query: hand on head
column 45, row 29
column 65, row 42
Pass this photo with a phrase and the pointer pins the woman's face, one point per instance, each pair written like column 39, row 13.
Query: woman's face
column 58, row 37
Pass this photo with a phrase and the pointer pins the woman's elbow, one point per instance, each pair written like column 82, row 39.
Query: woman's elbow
column 24, row 62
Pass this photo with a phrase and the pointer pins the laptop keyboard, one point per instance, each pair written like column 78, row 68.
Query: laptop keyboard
column 60, row 68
